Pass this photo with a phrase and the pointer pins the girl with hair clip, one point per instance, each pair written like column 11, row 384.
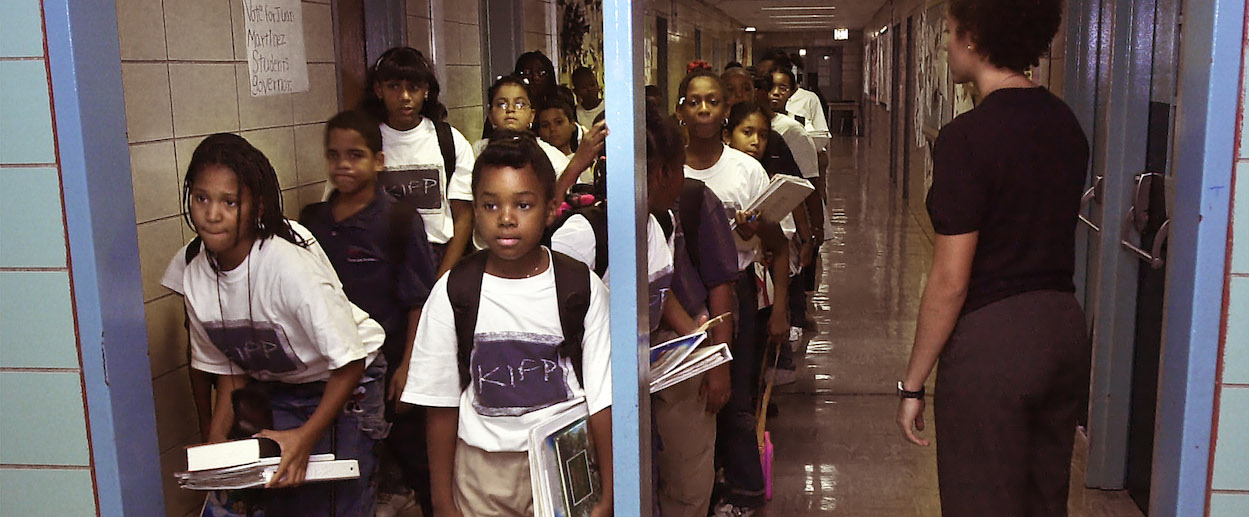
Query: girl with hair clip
column 429, row 164
column 737, row 179
column 268, row 317
column 998, row 311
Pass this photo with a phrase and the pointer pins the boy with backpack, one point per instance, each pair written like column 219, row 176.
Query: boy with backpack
column 378, row 247
column 510, row 337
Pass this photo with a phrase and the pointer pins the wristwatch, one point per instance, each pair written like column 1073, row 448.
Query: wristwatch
column 903, row 393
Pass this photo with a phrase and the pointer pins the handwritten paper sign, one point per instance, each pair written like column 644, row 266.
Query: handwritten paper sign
column 276, row 61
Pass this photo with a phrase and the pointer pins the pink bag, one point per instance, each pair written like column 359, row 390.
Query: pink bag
column 765, row 458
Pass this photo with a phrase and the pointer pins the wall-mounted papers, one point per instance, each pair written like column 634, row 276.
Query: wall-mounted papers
column 276, row 62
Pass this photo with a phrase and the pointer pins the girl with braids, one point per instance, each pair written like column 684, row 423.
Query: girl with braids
column 268, row 316
column 998, row 312
column 737, row 179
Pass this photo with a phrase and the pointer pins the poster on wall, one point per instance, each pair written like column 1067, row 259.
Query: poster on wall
column 886, row 67
column 580, row 37
column 276, row 62
column 933, row 92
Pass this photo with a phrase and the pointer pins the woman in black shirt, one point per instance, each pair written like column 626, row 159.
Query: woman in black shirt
column 998, row 310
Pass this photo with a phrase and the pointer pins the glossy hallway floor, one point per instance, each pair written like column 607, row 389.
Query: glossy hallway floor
column 837, row 449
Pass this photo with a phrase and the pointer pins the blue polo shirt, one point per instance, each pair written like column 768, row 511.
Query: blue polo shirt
column 379, row 278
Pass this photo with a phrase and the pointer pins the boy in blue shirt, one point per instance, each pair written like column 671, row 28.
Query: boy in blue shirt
column 379, row 250
column 516, row 370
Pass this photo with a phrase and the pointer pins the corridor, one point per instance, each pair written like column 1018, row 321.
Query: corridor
column 837, row 450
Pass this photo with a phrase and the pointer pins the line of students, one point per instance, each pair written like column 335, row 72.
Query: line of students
column 345, row 332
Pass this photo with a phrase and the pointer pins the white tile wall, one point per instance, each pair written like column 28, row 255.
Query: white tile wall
column 141, row 25
column 149, row 114
column 167, row 338
column 155, row 177
column 204, row 98
column 198, row 29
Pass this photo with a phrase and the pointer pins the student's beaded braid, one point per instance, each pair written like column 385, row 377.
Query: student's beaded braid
column 254, row 172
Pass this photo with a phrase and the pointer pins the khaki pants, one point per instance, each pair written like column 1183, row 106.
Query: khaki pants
column 489, row 484
column 687, row 460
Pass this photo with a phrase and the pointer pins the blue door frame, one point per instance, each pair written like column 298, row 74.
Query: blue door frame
column 85, row 63
column 1208, row 96
column 626, row 234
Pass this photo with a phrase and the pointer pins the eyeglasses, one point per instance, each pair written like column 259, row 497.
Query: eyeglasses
column 519, row 105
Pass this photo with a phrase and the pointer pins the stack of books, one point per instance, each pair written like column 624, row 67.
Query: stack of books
column 563, row 464
column 251, row 463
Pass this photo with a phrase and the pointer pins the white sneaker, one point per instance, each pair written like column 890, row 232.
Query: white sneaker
column 393, row 505
column 728, row 510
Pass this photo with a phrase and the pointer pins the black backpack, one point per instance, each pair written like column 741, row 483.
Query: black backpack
column 446, row 144
column 596, row 214
column 572, row 288
column 691, row 217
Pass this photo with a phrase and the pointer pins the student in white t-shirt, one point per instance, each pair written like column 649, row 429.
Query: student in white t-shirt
column 269, row 318
column 737, row 179
column 479, row 426
column 512, row 108
column 403, row 94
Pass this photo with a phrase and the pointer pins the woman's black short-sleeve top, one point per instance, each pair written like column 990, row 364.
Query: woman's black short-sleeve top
column 1012, row 169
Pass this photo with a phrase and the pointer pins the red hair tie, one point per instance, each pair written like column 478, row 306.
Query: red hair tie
column 697, row 64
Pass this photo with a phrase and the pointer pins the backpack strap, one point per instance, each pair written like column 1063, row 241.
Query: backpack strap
column 597, row 216
column 572, row 287
column 464, row 291
column 192, row 249
column 691, row 217
column 446, row 144
column 664, row 218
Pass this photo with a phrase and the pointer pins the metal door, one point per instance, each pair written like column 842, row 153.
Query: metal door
column 1129, row 67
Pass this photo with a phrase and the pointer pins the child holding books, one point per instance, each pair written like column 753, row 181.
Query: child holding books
column 268, row 317
column 378, row 247
column 737, row 179
column 490, row 374
column 705, row 267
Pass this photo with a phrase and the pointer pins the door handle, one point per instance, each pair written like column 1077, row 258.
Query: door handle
column 1094, row 193
column 1137, row 218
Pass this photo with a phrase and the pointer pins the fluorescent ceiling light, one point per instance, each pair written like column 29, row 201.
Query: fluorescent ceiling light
column 797, row 8
column 751, row 29
column 802, row 16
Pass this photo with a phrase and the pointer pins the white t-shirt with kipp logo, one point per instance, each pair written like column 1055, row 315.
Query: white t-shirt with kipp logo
column 737, row 179
column 278, row 316
column 415, row 171
column 519, row 379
